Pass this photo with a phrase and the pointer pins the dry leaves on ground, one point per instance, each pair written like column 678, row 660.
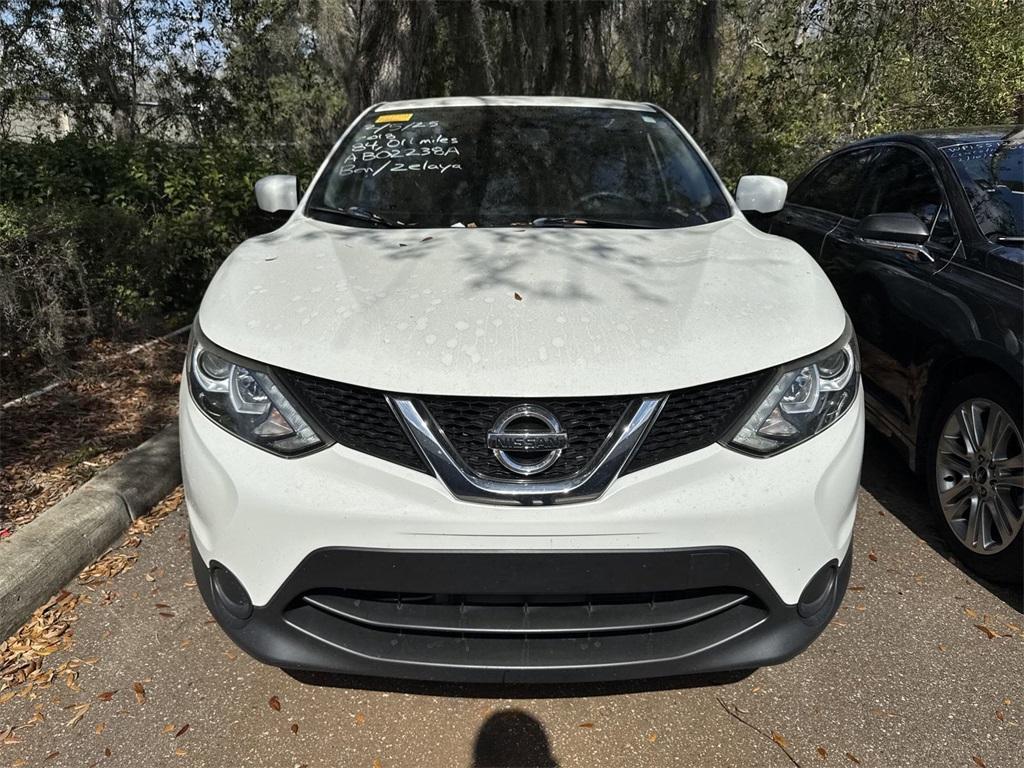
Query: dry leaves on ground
column 22, row 656
column 45, row 633
column 111, row 404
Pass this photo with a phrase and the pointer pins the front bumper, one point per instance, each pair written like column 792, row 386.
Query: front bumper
column 771, row 524
column 532, row 617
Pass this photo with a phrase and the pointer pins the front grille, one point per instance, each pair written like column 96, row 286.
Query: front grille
column 466, row 422
column 362, row 420
column 358, row 418
column 695, row 418
column 525, row 631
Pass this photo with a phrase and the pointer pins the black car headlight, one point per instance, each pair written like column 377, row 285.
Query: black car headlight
column 247, row 402
column 804, row 399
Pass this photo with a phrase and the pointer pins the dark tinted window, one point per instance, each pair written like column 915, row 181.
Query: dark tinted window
column 903, row 182
column 835, row 185
column 497, row 166
column 992, row 174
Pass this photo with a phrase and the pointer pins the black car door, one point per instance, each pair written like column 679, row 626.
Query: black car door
column 818, row 200
column 891, row 294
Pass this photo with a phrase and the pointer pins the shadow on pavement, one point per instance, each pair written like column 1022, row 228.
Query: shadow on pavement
column 517, row 690
column 887, row 477
column 512, row 738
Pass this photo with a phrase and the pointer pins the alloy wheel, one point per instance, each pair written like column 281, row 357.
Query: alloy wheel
column 979, row 471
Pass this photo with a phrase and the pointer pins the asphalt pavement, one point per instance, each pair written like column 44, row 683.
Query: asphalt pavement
column 922, row 666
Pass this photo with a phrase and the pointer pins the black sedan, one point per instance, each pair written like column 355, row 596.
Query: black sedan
column 923, row 237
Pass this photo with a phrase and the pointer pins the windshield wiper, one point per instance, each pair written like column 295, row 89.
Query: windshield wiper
column 356, row 213
column 581, row 221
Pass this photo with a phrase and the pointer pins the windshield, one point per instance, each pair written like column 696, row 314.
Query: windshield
column 992, row 174
column 493, row 166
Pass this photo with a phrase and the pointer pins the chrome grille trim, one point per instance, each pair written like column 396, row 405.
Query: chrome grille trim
column 586, row 485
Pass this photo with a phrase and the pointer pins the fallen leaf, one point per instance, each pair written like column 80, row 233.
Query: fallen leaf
column 167, row 614
column 50, row 756
column 169, row 727
column 106, row 752
column 585, row 725
column 360, row 718
column 184, row 728
column 161, row 605
column 295, row 727
column 180, row 752
column 978, row 761
column 106, row 695
column 992, row 635
column 101, row 727
column 779, row 739
column 652, row 737
column 1000, row 716
column 941, row 647
column 823, row 753
column 425, row 239
column 872, row 557
column 376, row 761
column 516, row 296
column 755, row 689
column 850, row 756
column 140, row 693
column 80, row 710
column 275, row 703
column 971, row 614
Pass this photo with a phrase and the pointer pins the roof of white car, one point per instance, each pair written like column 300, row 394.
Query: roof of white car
column 513, row 101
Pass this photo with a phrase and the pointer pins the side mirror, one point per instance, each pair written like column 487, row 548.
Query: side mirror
column 901, row 232
column 279, row 192
column 764, row 194
column 894, row 227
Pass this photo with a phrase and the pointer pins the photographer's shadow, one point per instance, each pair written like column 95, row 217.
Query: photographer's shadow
column 512, row 739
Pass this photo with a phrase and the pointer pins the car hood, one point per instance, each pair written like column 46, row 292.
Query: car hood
column 527, row 312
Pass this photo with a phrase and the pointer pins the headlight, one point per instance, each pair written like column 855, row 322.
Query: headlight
column 247, row 403
column 804, row 400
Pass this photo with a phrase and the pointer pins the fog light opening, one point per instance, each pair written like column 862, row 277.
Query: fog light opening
column 230, row 593
column 819, row 593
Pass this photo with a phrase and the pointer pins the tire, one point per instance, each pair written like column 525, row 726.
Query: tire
column 981, row 479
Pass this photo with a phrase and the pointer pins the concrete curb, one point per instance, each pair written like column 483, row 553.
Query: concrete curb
column 48, row 552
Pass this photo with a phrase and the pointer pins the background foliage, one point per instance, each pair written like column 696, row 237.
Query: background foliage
column 175, row 107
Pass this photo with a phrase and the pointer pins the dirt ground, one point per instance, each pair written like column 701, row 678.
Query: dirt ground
column 110, row 403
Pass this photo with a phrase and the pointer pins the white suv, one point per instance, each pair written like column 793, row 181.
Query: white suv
column 517, row 393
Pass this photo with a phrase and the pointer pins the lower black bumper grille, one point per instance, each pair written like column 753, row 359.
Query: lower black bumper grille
column 519, row 635
column 532, row 616
column 518, row 615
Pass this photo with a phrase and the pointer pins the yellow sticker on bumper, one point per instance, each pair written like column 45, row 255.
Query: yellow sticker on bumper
column 399, row 117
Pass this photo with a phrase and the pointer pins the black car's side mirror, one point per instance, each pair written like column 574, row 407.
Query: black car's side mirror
column 903, row 232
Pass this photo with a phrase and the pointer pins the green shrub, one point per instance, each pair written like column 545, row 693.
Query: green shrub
column 112, row 237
